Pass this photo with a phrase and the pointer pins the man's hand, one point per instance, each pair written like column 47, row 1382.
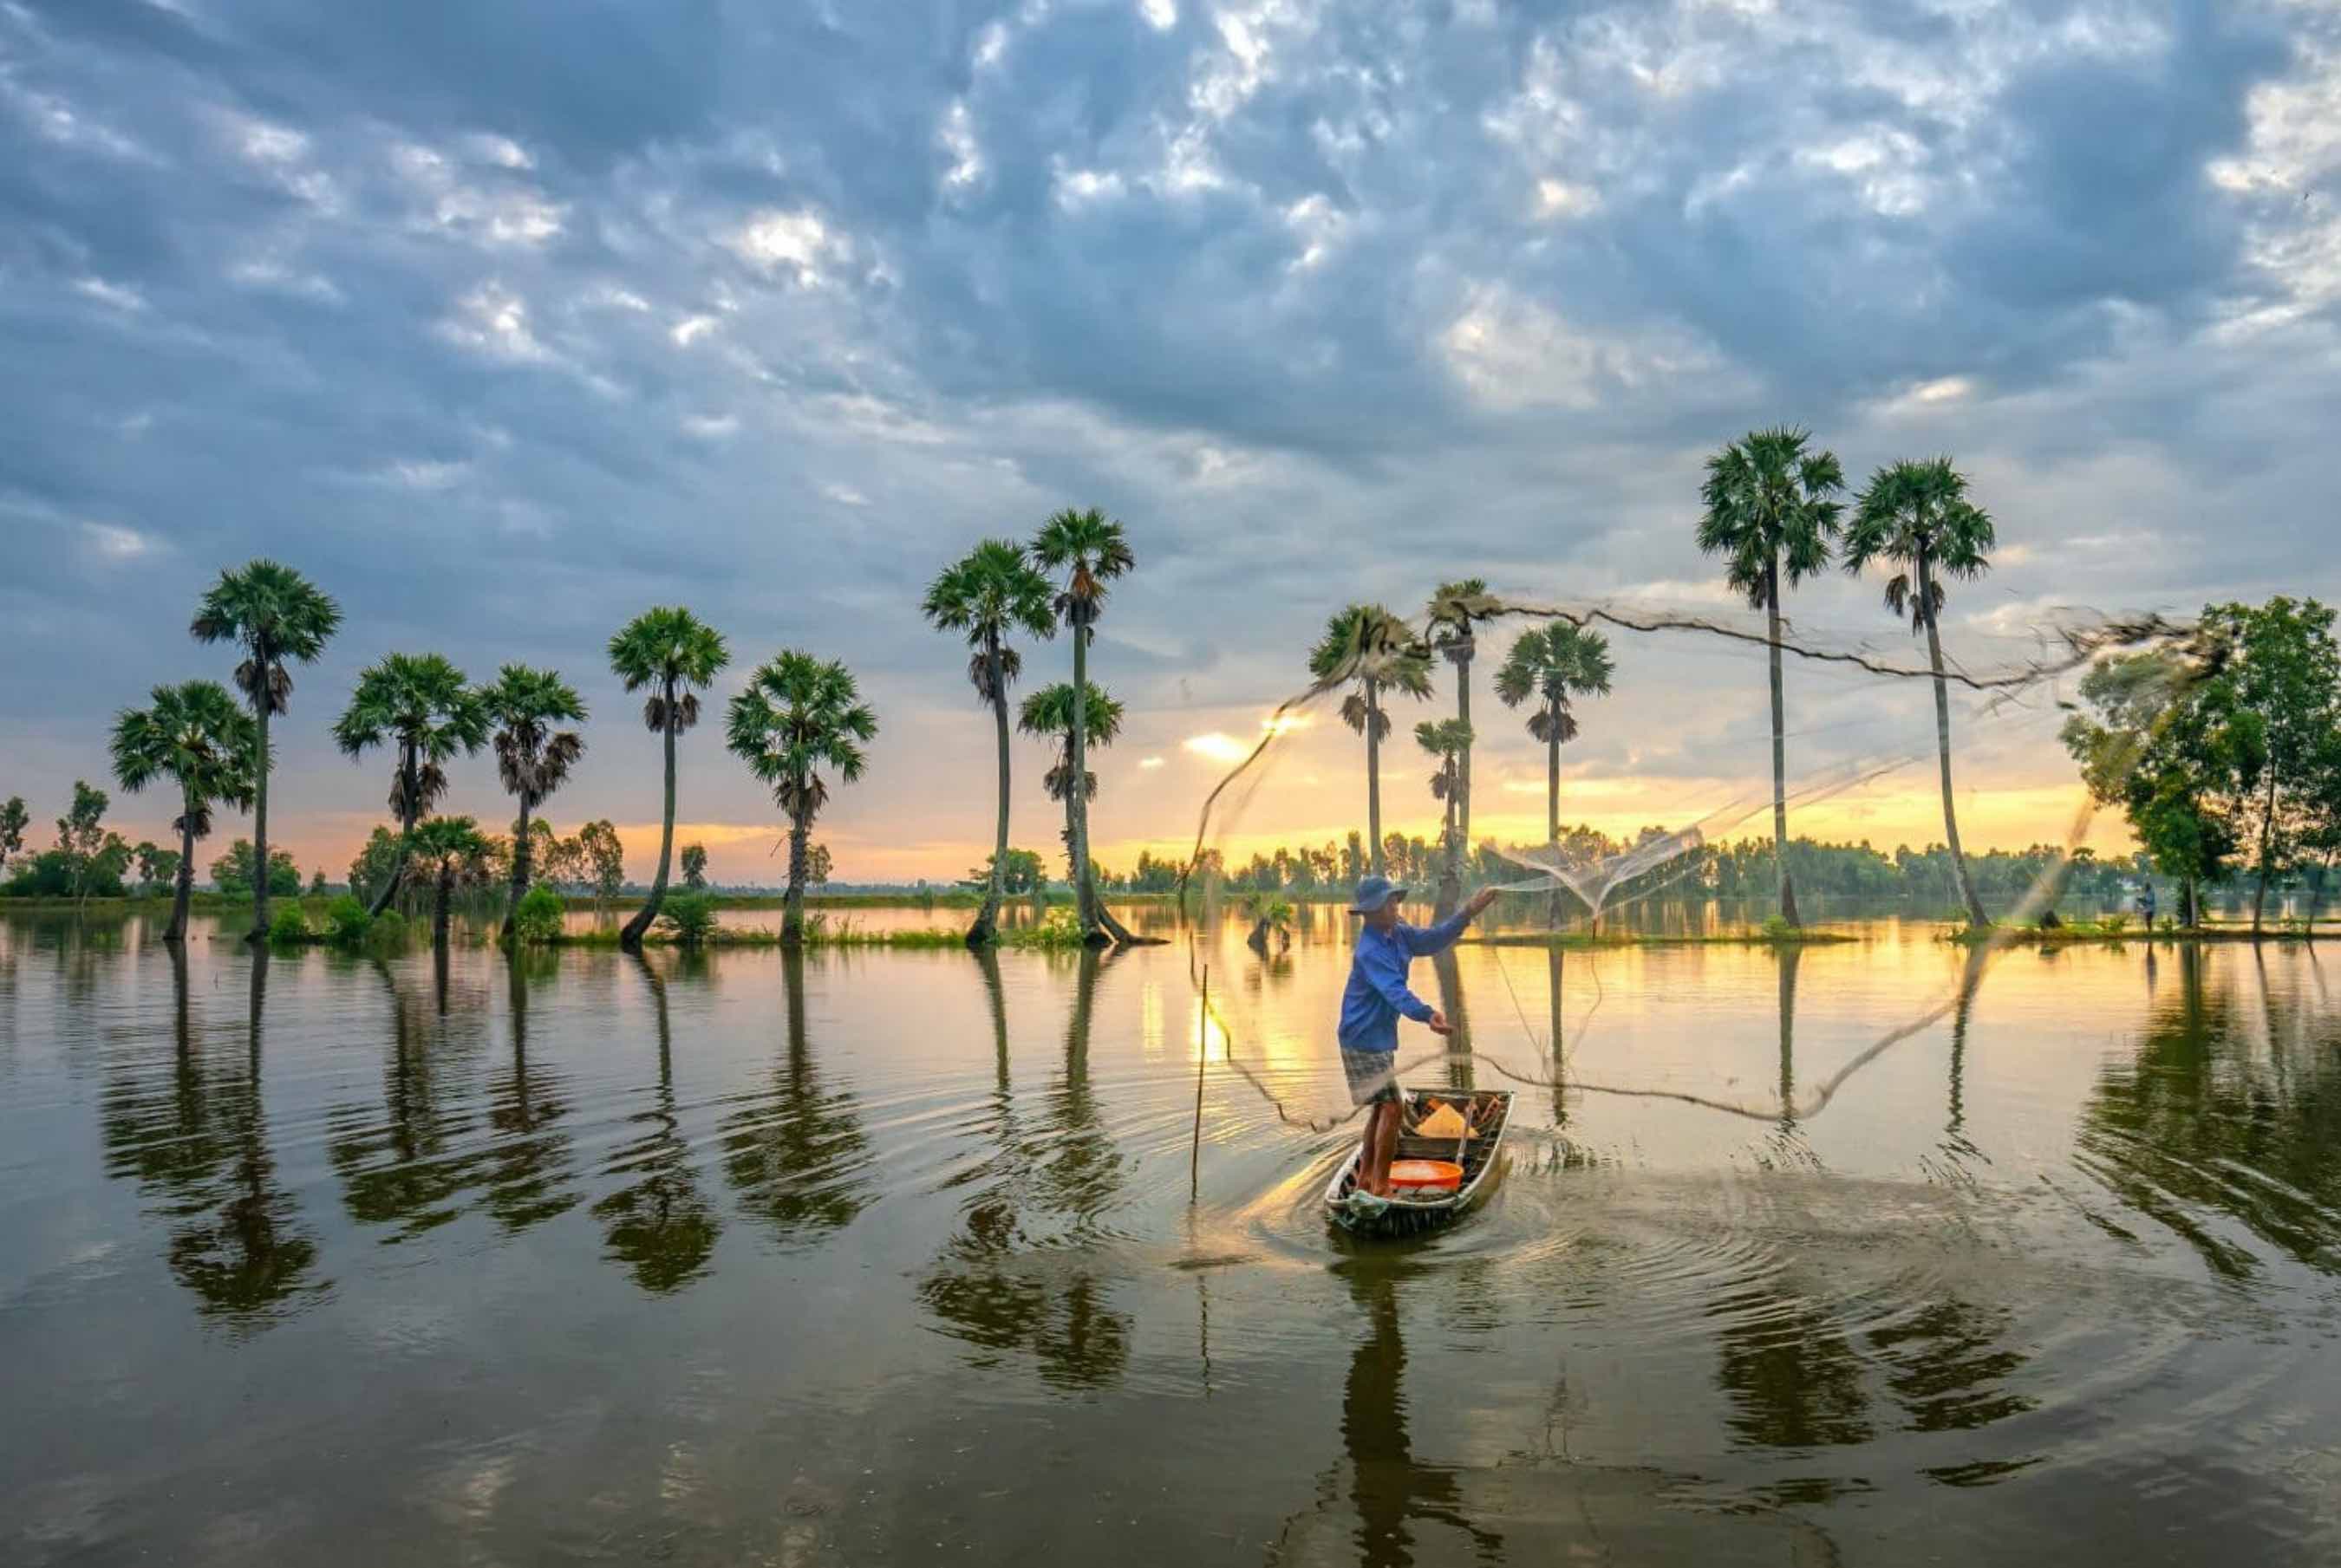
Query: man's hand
column 1479, row 900
column 1439, row 1025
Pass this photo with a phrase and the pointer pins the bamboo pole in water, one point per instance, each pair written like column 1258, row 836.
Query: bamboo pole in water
column 1202, row 1054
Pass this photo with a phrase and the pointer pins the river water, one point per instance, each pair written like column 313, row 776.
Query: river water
column 889, row 1256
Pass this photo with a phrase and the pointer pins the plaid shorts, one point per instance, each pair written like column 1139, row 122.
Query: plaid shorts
column 1372, row 1075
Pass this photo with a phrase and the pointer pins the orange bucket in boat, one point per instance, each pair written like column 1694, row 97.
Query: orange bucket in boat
column 1426, row 1175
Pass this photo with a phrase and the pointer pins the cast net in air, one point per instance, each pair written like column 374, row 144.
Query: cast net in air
column 2005, row 692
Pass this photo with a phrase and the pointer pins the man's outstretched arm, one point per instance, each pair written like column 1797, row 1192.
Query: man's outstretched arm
column 1429, row 939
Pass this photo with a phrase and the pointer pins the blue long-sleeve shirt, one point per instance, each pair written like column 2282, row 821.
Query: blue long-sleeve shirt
column 1377, row 996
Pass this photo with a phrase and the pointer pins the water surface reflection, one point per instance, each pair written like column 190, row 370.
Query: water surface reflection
column 889, row 1256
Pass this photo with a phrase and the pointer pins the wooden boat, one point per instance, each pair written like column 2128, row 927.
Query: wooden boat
column 1404, row 1213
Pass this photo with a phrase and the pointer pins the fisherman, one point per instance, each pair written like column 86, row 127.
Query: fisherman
column 1373, row 1002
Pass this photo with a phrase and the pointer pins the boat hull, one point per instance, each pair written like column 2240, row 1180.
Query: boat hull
column 1360, row 1213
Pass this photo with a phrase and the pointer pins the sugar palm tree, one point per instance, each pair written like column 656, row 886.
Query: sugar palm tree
column 1092, row 551
column 675, row 653
column 1448, row 740
column 1772, row 509
column 1048, row 714
column 1551, row 666
column 1455, row 612
column 419, row 704
column 798, row 716
column 989, row 593
column 197, row 736
column 533, row 757
column 1917, row 514
column 278, row 617
column 455, row 851
column 1371, row 650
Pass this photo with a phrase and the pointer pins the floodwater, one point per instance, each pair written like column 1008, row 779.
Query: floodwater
column 875, row 1256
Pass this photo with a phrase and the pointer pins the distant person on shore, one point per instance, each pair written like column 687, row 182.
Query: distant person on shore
column 1373, row 1002
column 2146, row 905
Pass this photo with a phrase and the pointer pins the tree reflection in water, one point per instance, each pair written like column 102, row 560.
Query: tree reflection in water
column 2197, row 1129
column 659, row 1224
column 201, row 1149
column 1391, row 1493
column 414, row 1167
column 996, row 1287
column 797, row 1155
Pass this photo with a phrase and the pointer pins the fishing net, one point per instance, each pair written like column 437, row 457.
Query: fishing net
column 2010, row 683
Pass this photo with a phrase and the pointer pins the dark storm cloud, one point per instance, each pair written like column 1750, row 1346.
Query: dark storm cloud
column 506, row 319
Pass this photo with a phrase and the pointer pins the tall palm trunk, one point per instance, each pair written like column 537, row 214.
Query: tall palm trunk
column 632, row 934
column 1976, row 917
column 1552, row 804
column 1377, row 863
column 1787, row 891
column 800, row 836
column 982, row 932
column 183, row 885
column 520, row 861
column 259, row 931
column 406, row 815
column 1463, row 713
column 1077, row 807
column 2268, row 842
column 445, row 892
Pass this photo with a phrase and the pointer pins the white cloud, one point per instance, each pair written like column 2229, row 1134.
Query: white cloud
column 111, row 543
column 1218, row 745
column 1511, row 352
column 117, row 296
column 845, row 495
column 773, row 240
column 1160, row 14
column 956, row 137
column 711, row 427
column 501, row 150
column 1150, row 763
column 1564, row 198
column 690, row 329
column 270, row 276
column 420, row 473
column 492, row 321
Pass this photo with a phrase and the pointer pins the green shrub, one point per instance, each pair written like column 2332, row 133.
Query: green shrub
column 539, row 916
column 288, row 924
column 346, row 921
column 1776, row 928
column 2113, row 925
column 688, row 917
column 1060, row 929
column 387, row 930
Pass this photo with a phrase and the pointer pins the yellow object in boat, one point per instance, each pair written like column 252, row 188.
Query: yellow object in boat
column 1446, row 1122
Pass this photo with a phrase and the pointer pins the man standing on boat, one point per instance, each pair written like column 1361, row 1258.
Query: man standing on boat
column 1375, row 999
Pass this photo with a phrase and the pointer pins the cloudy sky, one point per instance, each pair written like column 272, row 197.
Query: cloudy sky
column 505, row 322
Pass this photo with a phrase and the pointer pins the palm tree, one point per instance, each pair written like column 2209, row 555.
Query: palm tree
column 419, row 703
column 278, row 617
column 1048, row 714
column 1455, row 614
column 1771, row 509
column 992, row 590
column 1365, row 646
column 197, row 736
column 799, row 715
column 1091, row 550
column 1918, row 514
column 1449, row 740
column 533, row 757
column 455, row 850
column 672, row 651
column 1552, row 665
